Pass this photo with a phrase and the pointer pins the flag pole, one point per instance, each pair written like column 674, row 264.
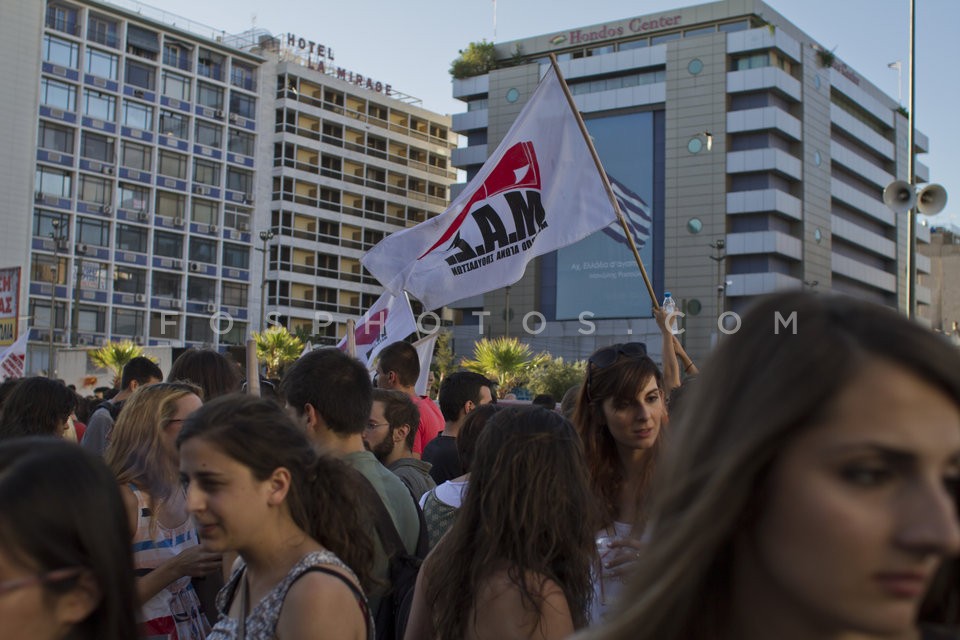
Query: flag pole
column 606, row 181
column 352, row 338
column 406, row 295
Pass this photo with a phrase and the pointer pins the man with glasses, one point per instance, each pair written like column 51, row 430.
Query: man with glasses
column 389, row 436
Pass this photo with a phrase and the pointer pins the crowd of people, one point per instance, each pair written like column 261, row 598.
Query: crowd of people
column 804, row 485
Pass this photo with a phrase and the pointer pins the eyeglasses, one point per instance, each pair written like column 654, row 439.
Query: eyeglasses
column 57, row 575
column 603, row 358
column 376, row 425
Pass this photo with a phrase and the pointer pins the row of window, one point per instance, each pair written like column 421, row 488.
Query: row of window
column 140, row 42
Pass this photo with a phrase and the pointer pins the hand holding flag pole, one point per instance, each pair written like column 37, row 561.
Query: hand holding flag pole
column 606, row 182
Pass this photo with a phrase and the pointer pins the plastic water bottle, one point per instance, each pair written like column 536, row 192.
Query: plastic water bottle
column 669, row 306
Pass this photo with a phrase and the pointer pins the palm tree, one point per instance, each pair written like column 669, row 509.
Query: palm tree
column 507, row 361
column 276, row 347
column 115, row 356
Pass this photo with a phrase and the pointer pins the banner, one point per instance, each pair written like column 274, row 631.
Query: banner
column 539, row 191
column 13, row 358
column 424, row 347
column 9, row 305
column 389, row 320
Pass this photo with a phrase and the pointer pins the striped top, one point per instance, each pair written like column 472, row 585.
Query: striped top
column 174, row 613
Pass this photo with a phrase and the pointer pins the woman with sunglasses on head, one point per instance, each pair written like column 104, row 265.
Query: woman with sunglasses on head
column 65, row 567
column 142, row 454
column 810, row 490
column 619, row 414
column 256, row 486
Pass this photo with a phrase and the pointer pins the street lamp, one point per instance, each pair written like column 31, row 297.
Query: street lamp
column 265, row 236
column 79, row 250
column 58, row 237
column 902, row 196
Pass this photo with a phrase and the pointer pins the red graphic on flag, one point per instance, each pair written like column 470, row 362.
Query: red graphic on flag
column 370, row 331
column 517, row 168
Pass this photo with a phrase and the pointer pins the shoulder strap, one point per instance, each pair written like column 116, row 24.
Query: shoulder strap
column 357, row 593
column 389, row 537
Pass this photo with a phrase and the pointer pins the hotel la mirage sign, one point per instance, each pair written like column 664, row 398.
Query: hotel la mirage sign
column 320, row 57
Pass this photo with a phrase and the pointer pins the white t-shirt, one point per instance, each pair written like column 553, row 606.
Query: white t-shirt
column 449, row 493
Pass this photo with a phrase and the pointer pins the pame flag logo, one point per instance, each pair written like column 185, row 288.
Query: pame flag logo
column 373, row 331
column 501, row 218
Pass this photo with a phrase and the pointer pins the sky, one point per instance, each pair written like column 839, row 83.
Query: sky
column 410, row 44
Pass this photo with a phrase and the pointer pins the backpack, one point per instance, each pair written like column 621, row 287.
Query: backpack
column 391, row 621
column 113, row 408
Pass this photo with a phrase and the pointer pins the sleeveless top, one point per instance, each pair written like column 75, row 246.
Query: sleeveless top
column 438, row 515
column 262, row 619
column 175, row 612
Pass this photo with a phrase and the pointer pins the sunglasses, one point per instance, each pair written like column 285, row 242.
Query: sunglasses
column 603, row 358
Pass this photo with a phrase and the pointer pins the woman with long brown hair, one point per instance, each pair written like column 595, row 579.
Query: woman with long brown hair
column 517, row 561
column 167, row 551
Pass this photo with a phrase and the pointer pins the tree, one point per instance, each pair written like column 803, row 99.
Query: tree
column 443, row 360
column 276, row 347
column 115, row 356
column 507, row 361
column 477, row 59
column 555, row 376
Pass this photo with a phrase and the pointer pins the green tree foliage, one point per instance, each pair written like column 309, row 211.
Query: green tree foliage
column 443, row 362
column 555, row 376
column 507, row 361
column 115, row 355
column 276, row 347
column 477, row 59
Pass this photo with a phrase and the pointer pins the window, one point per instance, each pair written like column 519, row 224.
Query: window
column 236, row 256
column 176, row 54
column 203, row 250
column 243, row 105
column 60, row 52
column 133, row 198
column 233, row 217
column 166, row 285
column 142, row 42
column 242, row 76
column 234, row 295
column 175, row 86
column 206, row 172
column 54, row 182
column 102, row 31
column 209, row 135
column 209, row 96
column 129, row 280
column 140, row 75
column 201, row 289
column 165, row 325
column 241, row 181
column 241, row 142
column 97, row 147
column 130, row 238
column 171, row 205
column 168, row 245
column 43, row 223
column 127, row 322
column 204, row 212
column 138, row 116
column 94, row 190
column 45, row 269
column 55, row 138
column 99, row 105
column 174, row 124
column 199, row 330
column 135, row 156
column 101, row 64
column 173, row 165
column 95, row 232
column 62, row 18
column 210, row 64
column 58, row 95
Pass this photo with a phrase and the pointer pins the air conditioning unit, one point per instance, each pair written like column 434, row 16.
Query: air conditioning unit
column 195, row 267
column 107, row 170
column 83, row 340
column 213, row 228
column 176, row 304
column 38, row 196
column 248, row 198
column 82, row 248
column 143, row 216
column 243, row 226
column 138, row 340
column 140, row 297
column 60, row 337
column 99, row 341
column 211, row 307
column 219, row 113
column 178, row 222
column 106, row 209
column 138, row 93
column 234, row 117
column 176, row 264
column 199, row 189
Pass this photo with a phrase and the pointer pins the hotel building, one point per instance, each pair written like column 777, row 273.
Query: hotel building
column 760, row 155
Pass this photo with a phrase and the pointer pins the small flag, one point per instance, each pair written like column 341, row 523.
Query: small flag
column 388, row 320
column 13, row 358
column 635, row 211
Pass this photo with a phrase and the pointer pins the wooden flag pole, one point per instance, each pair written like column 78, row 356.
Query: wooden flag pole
column 352, row 338
column 253, row 369
column 416, row 324
column 606, row 182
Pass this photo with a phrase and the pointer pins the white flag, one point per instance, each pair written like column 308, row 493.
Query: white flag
column 389, row 320
column 539, row 191
column 424, row 347
column 12, row 358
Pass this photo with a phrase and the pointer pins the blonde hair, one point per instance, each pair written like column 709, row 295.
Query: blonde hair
column 135, row 453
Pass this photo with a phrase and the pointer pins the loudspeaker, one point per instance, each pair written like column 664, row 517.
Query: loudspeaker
column 931, row 200
column 899, row 196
